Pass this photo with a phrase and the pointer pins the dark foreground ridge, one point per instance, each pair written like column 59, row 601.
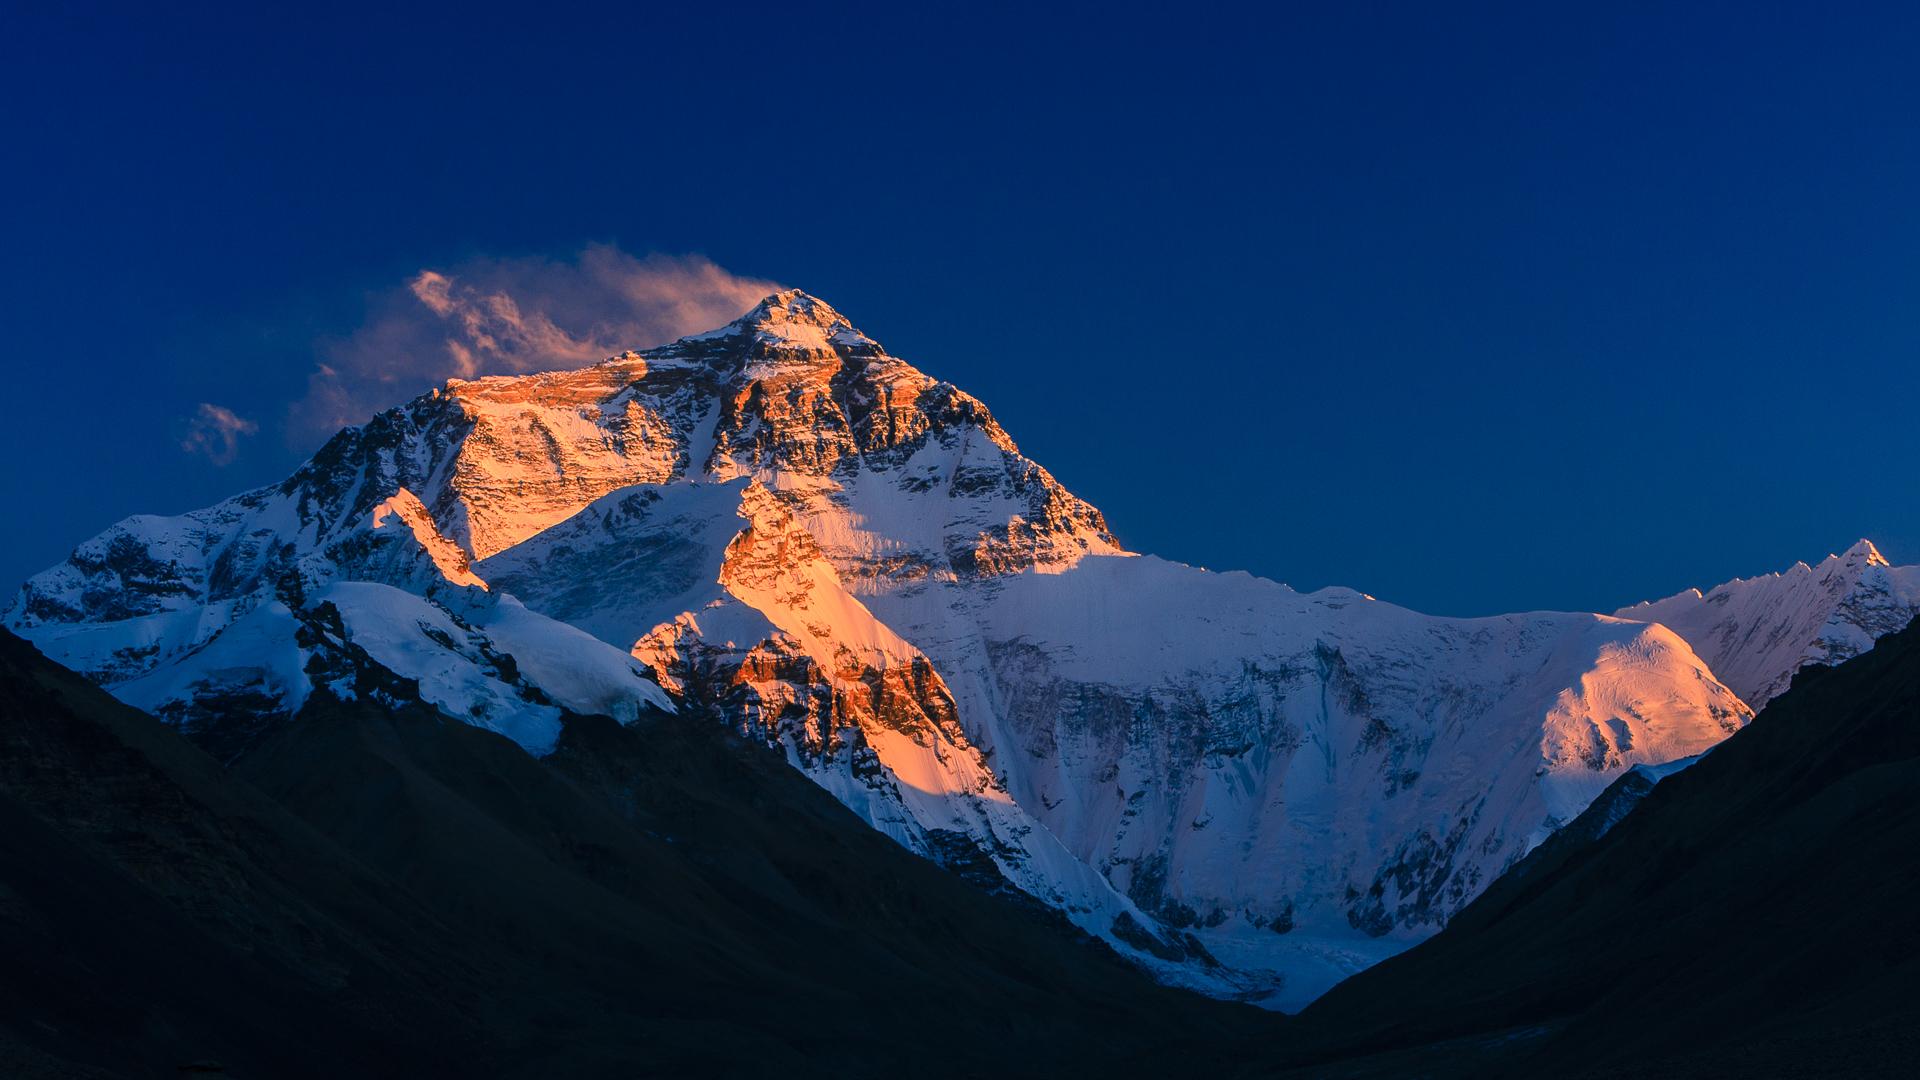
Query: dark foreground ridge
column 375, row 891
column 372, row 889
column 1752, row 916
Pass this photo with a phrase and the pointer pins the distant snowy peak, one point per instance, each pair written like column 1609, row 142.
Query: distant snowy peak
column 1863, row 552
column 1757, row 632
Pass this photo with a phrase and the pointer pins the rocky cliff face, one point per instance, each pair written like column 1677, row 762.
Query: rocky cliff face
column 1246, row 789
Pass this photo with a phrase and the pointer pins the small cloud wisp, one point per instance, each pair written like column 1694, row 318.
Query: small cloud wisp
column 214, row 432
column 513, row 316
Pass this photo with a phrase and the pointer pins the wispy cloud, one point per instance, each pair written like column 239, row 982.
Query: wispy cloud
column 214, row 431
column 510, row 316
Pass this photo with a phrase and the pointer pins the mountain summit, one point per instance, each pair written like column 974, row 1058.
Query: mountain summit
column 1864, row 553
column 789, row 324
column 783, row 529
column 783, row 314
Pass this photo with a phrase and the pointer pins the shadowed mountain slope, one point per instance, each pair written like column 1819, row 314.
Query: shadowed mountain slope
column 1753, row 915
column 376, row 890
column 155, row 912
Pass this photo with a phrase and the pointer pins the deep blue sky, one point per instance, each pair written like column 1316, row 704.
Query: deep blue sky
column 1473, row 310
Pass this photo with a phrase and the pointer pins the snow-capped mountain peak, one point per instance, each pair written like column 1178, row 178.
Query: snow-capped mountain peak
column 1757, row 632
column 808, row 539
column 1863, row 554
column 792, row 307
column 793, row 321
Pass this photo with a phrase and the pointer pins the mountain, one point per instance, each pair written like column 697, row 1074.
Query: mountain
column 156, row 913
column 1751, row 916
column 371, row 890
column 782, row 530
column 1755, row 633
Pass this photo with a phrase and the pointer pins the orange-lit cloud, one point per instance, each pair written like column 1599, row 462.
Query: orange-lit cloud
column 214, row 431
column 510, row 316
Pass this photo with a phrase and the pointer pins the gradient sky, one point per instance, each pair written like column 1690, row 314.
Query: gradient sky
column 1475, row 312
